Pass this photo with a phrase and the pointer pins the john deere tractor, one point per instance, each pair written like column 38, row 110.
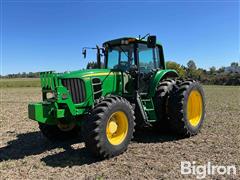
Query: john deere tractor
column 130, row 87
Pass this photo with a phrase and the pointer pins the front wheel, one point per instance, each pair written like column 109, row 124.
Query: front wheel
column 109, row 127
column 186, row 108
column 59, row 132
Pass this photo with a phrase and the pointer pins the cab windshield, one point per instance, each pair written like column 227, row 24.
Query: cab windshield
column 148, row 58
column 120, row 57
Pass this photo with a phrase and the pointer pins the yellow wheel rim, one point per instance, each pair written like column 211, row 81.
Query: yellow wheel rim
column 66, row 127
column 194, row 108
column 117, row 128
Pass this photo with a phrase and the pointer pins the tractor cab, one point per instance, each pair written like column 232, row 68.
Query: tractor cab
column 139, row 58
column 125, row 53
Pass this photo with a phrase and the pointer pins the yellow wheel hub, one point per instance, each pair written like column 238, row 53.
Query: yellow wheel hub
column 194, row 108
column 117, row 128
column 113, row 127
column 66, row 127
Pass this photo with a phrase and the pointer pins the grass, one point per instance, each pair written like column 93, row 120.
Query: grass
column 20, row 82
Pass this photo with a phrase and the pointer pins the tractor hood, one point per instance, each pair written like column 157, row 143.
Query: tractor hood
column 85, row 73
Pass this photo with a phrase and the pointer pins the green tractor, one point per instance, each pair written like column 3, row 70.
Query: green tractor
column 130, row 88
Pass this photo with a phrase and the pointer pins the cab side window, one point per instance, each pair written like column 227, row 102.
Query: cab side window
column 113, row 59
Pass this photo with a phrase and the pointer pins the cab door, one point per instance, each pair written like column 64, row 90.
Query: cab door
column 148, row 62
column 120, row 59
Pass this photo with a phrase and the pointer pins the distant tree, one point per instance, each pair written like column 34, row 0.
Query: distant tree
column 221, row 70
column 192, row 70
column 212, row 70
column 30, row 74
column 92, row 65
column 180, row 69
column 234, row 64
column 199, row 74
column 191, row 65
column 23, row 75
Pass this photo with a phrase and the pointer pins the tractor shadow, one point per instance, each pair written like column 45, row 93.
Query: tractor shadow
column 73, row 157
column 34, row 143
column 69, row 158
column 26, row 144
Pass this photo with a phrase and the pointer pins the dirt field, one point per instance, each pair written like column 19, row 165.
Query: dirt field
column 26, row 154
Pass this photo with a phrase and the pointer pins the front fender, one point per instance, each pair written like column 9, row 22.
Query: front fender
column 162, row 74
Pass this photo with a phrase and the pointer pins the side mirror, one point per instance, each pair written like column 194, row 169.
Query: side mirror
column 103, row 51
column 151, row 41
column 84, row 52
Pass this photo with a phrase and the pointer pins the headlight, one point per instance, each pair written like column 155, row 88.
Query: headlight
column 50, row 95
column 64, row 96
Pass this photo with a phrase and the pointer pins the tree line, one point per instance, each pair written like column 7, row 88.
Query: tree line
column 22, row 75
column 222, row 76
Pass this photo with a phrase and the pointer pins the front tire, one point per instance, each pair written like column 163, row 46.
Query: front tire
column 109, row 128
column 186, row 109
column 60, row 132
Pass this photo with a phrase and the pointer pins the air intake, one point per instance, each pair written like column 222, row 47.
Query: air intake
column 76, row 89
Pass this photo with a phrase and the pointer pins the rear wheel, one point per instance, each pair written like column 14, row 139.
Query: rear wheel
column 163, row 91
column 186, row 108
column 61, row 131
column 109, row 128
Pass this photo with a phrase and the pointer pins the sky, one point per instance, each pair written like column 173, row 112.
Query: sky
column 49, row 35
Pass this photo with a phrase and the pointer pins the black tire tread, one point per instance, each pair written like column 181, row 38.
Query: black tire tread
column 175, row 110
column 161, row 97
column 91, row 126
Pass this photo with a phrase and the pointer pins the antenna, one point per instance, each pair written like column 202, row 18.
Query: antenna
column 148, row 34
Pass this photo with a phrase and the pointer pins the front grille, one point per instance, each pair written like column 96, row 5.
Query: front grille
column 76, row 89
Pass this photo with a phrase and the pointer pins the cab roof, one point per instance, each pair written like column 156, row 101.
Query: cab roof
column 129, row 39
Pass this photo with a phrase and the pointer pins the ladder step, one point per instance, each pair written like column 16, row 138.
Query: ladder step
column 95, row 84
column 149, row 109
column 151, row 120
column 146, row 99
column 96, row 92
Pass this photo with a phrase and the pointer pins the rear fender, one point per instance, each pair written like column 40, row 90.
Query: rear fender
column 160, row 75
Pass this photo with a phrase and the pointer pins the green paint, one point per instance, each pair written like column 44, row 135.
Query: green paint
column 158, row 77
column 62, row 106
column 42, row 112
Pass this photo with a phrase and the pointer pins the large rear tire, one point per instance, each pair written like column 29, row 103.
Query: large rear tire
column 163, row 91
column 186, row 108
column 109, row 128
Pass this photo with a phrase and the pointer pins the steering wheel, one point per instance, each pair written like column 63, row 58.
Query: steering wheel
column 124, row 66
